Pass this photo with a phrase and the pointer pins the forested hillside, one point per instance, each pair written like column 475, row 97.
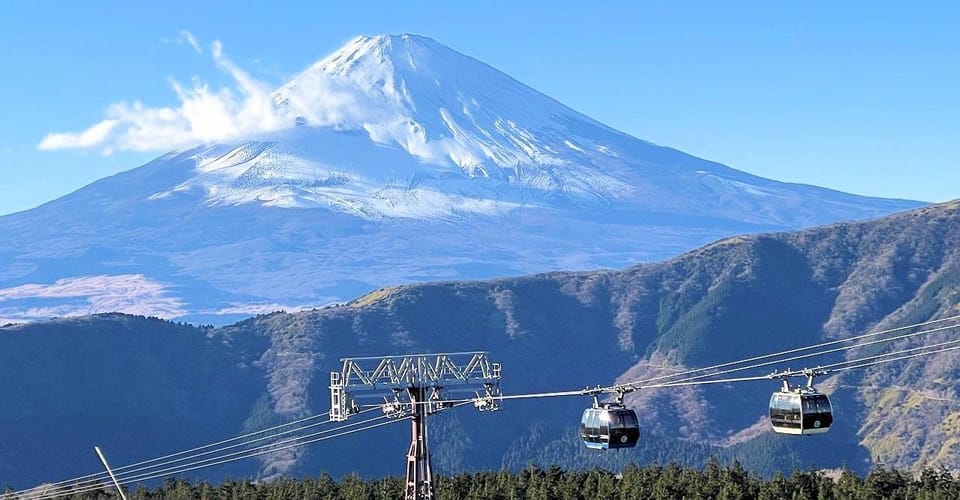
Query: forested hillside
column 654, row 482
column 734, row 299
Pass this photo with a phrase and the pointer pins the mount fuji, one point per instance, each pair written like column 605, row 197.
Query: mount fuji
column 395, row 159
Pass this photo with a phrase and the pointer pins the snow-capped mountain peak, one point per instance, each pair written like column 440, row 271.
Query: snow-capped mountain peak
column 411, row 52
column 438, row 105
column 402, row 126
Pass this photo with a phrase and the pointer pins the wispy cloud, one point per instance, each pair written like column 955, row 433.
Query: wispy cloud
column 240, row 111
column 256, row 308
column 93, row 136
column 128, row 293
column 184, row 37
column 188, row 37
column 204, row 115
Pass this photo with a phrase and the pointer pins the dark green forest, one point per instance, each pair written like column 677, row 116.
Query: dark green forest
column 714, row 481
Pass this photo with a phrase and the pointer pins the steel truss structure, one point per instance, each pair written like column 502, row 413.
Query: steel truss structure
column 415, row 386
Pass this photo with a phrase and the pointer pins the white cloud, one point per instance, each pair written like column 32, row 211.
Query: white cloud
column 91, row 137
column 128, row 293
column 203, row 115
column 243, row 110
column 254, row 309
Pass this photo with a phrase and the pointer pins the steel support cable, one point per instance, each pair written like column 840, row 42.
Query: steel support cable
column 129, row 473
column 900, row 358
column 128, row 478
column 705, row 382
column 834, row 366
column 922, row 392
column 311, row 441
column 801, row 349
column 856, row 366
column 641, row 384
column 188, row 454
column 645, row 383
column 191, row 467
column 271, row 446
column 101, row 475
column 221, row 449
column 691, row 382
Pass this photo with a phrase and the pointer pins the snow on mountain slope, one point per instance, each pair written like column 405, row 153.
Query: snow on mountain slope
column 340, row 171
column 404, row 160
column 457, row 137
column 481, row 135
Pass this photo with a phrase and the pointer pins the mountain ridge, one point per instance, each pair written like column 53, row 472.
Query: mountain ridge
column 733, row 299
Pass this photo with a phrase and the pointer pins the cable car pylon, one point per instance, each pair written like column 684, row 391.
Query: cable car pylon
column 415, row 386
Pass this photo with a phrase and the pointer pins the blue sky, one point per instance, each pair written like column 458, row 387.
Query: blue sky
column 857, row 96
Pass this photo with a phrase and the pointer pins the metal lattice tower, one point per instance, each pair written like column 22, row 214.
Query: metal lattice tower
column 415, row 386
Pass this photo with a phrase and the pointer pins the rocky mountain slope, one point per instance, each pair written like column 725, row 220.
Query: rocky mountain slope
column 733, row 299
column 401, row 160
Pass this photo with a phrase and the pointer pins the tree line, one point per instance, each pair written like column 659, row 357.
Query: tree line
column 714, row 481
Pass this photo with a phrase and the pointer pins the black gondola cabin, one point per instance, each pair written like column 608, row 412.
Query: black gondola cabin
column 800, row 411
column 609, row 426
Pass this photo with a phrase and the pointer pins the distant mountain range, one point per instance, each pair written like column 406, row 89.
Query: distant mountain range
column 404, row 161
column 142, row 388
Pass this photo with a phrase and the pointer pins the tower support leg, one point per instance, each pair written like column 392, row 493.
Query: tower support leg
column 419, row 469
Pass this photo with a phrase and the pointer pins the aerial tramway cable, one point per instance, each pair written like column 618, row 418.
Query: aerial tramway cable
column 900, row 358
column 817, row 346
column 210, row 462
column 688, row 378
column 826, row 368
column 792, row 358
column 799, row 410
column 127, row 468
column 213, row 461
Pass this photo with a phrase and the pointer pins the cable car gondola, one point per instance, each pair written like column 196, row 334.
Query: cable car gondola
column 609, row 426
column 800, row 410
